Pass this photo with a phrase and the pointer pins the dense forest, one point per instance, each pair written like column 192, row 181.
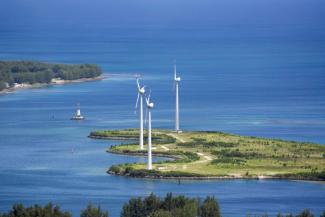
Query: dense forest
column 36, row 72
column 150, row 206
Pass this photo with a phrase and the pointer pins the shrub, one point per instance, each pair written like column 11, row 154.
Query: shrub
column 115, row 169
column 237, row 153
column 237, row 161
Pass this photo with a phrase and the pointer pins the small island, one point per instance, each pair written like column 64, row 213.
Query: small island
column 24, row 74
column 218, row 155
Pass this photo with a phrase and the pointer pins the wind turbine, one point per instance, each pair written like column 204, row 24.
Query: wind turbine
column 141, row 92
column 150, row 105
column 177, row 81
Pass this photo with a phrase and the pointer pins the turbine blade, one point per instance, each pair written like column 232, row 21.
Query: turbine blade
column 138, row 84
column 175, row 70
column 149, row 96
column 136, row 104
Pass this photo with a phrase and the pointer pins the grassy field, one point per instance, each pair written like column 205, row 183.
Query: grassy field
column 219, row 155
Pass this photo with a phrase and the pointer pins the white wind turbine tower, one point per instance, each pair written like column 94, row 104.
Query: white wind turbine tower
column 177, row 81
column 141, row 92
column 150, row 105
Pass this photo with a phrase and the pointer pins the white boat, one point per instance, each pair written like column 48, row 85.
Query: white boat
column 78, row 115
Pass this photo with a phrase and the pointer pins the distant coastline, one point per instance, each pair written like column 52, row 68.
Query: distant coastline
column 16, row 75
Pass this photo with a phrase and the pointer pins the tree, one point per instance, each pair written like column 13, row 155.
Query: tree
column 323, row 214
column 18, row 210
column 161, row 213
column 151, row 204
column 305, row 213
column 32, row 72
column 190, row 209
column 134, row 208
column 167, row 204
column 288, row 215
column 210, row 208
column 2, row 85
column 92, row 211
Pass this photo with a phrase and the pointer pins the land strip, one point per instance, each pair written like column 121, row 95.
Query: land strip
column 217, row 155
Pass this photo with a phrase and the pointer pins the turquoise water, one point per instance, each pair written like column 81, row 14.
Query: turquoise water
column 255, row 80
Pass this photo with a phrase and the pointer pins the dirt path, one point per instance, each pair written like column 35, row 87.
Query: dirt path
column 164, row 147
column 176, row 137
column 206, row 158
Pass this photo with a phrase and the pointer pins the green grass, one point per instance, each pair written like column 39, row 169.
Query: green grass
column 131, row 134
column 217, row 154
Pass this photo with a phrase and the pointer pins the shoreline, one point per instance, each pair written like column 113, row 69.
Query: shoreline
column 207, row 178
column 112, row 138
column 53, row 82
column 289, row 177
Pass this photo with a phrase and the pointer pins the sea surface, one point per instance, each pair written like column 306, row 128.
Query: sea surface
column 266, row 81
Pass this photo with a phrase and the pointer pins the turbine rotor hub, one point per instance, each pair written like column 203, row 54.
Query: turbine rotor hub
column 150, row 105
column 142, row 90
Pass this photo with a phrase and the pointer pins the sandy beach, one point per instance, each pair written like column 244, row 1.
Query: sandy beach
column 54, row 81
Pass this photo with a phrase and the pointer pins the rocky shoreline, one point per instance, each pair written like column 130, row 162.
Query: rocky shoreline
column 215, row 178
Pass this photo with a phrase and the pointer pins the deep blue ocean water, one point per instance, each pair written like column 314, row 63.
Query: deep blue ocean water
column 264, row 81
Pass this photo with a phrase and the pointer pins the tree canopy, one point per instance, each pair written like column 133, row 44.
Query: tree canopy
column 93, row 211
column 37, row 72
column 150, row 206
column 49, row 209
column 179, row 206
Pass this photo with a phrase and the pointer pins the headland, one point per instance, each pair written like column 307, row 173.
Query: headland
column 218, row 155
column 16, row 75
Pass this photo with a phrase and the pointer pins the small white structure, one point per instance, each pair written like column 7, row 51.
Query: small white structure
column 141, row 92
column 150, row 105
column 78, row 115
column 177, row 81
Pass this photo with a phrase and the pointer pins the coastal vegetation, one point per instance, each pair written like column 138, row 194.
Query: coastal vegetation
column 169, row 206
column 50, row 210
column 19, row 210
column 216, row 155
column 149, row 206
column 32, row 72
column 132, row 134
column 93, row 211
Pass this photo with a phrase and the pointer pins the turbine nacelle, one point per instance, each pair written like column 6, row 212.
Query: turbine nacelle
column 141, row 90
column 176, row 79
column 150, row 105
